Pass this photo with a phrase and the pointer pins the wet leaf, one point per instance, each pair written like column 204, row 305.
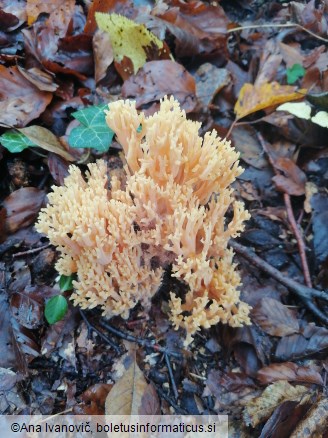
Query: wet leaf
column 294, row 73
column 288, row 371
column 27, row 308
column 274, row 318
column 58, row 168
column 160, row 78
column 254, row 98
column 311, row 340
column 209, row 81
column 94, row 132
column 22, row 207
column 20, row 100
column 245, row 141
column 55, row 309
column 93, row 400
column 319, row 100
column 260, row 408
column 319, row 204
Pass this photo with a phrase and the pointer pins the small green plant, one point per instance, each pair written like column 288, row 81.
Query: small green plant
column 93, row 131
column 16, row 141
column 55, row 309
column 57, row 306
column 295, row 72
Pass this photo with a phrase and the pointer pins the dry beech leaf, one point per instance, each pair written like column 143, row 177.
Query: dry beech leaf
column 274, row 318
column 157, row 79
column 315, row 422
column 20, row 100
column 126, row 396
column 254, row 98
column 46, row 140
column 289, row 371
column 294, row 179
column 22, row 207
column 260, row 408
column 34, row 8
column 103, row 54
column 310, row 190
column 311, row 340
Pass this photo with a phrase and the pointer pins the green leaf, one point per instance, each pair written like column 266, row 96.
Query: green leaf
column 295, row 72
column 66, row 282
column 16, row 141
column 55, row 309
column 94, row 131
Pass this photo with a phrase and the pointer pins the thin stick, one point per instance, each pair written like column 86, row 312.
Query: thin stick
column 264, row 26
column 305, row 293
column 291, row 219
column 90, row 327
column 142, row 342
column 169, row 367
column 31, row 251
column 299, row 239
column 177, row 408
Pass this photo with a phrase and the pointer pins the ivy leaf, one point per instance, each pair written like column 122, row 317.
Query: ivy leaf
column 295, row 72
column 66, row 282
column 55, row 309
column 16, row 141
column 94, row 131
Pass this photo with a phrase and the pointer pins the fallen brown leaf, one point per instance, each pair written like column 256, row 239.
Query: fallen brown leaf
column 20, row 100
column 157, row 79
column 289, row 371
column 22, row 207
column 260, row 408
column 274, row 318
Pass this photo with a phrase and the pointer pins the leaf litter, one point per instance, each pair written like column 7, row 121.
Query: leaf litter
column 235, row 69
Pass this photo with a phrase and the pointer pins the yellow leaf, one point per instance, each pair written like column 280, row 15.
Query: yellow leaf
column 128, row 38
column 253, row 98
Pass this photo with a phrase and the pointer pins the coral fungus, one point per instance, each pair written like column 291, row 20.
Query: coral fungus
column 172, row 209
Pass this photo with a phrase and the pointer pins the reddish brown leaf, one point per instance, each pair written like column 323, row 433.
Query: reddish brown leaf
column 284, row 419
column 159, row 78
column 58, row 168
column 42, row 80
column 198, row 28
column 20, row 100
column 93, row 400
column 288, row 371
column 274, row 318
column 7, row 21
column 103, row 54
column 101, row 6
column 294, row 179
column 311, row 340
column 22, row 207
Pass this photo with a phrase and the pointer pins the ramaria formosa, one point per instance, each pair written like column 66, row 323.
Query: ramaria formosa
column 171, row 210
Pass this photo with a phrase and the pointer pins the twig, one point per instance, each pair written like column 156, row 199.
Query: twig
column 31, row 251
column 177, row 408
column 306, row 294
column 291, row 219
column 264, row 26
column 174, row 386
column 142, row 342
column 90, row 328
column 299, row 239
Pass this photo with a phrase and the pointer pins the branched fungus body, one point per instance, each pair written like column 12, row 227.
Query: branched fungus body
column 171, row 211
